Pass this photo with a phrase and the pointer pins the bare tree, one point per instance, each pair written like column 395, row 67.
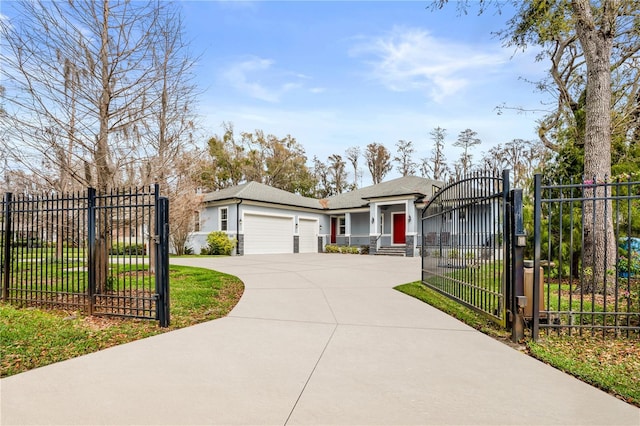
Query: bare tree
column 185, row 200
column 466, row 140
column 436, row 165
column 321, row 175
column 353, row 155
column 89, row 72
column 406, row 165
column 337, row 174
column 522, row 157
column 172, row 121
column 378, row 161
column 85, row 81
column 494, row 161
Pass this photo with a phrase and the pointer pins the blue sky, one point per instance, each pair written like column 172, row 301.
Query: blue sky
column 336, row 74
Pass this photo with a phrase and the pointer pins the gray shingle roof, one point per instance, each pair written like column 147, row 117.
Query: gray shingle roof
column 260, row 192
column 408, row 185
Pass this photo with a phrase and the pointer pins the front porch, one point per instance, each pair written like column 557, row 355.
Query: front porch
column 386, row 227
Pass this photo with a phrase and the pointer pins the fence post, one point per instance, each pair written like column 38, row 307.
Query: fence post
column 506, row 249
column 519, row 241
column 91, row 247
column 162, row 261
column 537, row 228
column 6, row 279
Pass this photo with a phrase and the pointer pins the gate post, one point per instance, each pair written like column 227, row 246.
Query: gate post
column 537, row 215
column 519, row 241
column 6, row 242
column 507, row 289
column 162, row 261
column 91, row 248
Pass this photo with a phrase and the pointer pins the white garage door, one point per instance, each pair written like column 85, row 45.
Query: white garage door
column 307, row 229
column 267, row 234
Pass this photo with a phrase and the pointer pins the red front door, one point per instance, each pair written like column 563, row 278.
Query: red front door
column 399, row 228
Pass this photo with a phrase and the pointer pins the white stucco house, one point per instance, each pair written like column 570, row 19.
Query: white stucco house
column 384, row 217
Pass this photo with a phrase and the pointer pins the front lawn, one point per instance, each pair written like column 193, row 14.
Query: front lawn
column 34, row 338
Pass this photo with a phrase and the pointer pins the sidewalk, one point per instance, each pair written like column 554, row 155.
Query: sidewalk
column 315, row 339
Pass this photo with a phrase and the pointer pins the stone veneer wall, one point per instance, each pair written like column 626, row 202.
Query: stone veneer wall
column 410, row 250
column 373, row 242
column 240, row 249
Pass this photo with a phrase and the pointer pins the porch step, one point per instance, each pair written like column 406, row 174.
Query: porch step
column 392, row 251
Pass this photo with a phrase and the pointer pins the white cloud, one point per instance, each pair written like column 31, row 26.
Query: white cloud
column 238, row 75
column 6, row 21
column 412, row 59
column 260, row 79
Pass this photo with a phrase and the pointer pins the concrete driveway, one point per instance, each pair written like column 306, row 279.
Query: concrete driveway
column 315, row 339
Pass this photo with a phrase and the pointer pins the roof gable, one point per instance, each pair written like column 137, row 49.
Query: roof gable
column 403, row 186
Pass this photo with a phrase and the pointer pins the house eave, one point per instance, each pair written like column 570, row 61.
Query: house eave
column 348, row 210
column 414, row 196
column 250, row 202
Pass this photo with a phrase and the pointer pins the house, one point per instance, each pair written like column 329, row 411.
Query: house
column 263, row 219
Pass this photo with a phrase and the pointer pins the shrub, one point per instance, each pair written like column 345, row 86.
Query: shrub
column 219, row 243
column 349, row 250
column 330, row 248
column 629, row 265
column 128, row 249
column 364, row 249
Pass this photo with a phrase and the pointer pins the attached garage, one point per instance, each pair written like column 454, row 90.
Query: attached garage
column 308, row 232
column 267, row 234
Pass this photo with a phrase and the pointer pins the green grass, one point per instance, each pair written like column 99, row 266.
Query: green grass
column 33, row 338
column 468, row 316
column 612, row 365
column 479, row 286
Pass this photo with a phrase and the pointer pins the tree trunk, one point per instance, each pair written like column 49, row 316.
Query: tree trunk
column 599, row 238
column 101, row 157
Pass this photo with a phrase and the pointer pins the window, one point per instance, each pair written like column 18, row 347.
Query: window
column 382, row 223
column 342, row 226
column 224, row 215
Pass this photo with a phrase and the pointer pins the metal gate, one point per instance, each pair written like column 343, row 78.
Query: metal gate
column 103, row 254
column 472, row 231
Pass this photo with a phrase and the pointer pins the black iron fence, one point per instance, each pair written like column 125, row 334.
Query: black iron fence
column 465, row 253
column 586, row 250
column 583, row 240
column 103, row 254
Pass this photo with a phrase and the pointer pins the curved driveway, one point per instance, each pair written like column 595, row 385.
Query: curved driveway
column 315, row 339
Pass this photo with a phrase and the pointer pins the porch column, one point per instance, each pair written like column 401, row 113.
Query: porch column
column 411, row 227
column 347, row 228
column 374, row 234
